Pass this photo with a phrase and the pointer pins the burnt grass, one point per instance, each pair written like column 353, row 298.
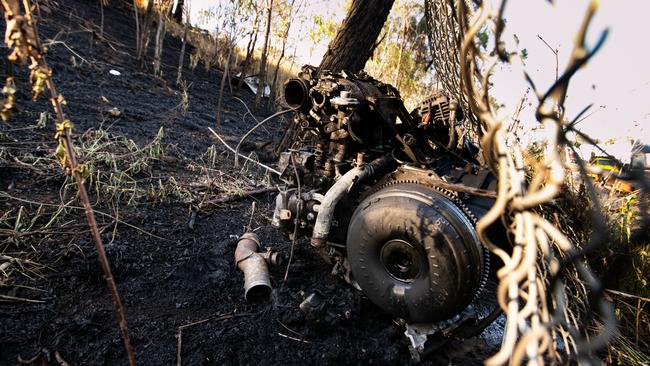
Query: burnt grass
column 180, row 275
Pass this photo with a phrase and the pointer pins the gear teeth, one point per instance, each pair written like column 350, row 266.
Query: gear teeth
column 485, row 273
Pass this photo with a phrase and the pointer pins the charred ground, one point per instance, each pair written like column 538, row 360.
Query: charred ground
column 168, row 274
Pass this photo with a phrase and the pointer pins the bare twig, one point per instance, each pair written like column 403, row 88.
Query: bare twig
column 237, row 197
column 293, row 338
column 556, row 53
column 21, row 299
column 48, row 44
column 532, row 270
column 258, row 125
column 294, row 237
column 624, row 294
column 243, row 156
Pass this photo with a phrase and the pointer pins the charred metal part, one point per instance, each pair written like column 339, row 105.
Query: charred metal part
column 296, row 93
column 339, row 189
column 254, row 265
column 313, row 303
column 389, row 198
column 419, row 334
column 411, row 248
column 290, row 209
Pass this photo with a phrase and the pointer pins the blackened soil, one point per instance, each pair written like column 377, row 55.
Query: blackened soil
column 171, row 275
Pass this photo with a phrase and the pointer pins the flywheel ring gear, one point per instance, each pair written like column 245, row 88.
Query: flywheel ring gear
column 452, row 196
column 414, row 252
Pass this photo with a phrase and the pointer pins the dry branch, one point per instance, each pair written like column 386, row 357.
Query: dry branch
column 237, row 197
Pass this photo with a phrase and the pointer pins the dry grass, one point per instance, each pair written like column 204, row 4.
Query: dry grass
column 120, row 174
column 629, row 261
column 116, row 166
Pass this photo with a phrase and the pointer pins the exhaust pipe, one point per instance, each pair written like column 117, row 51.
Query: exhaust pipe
column 340, row 188
column 296, row 93
column 255, row 266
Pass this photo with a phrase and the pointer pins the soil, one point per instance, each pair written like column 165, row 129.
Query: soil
column 168, row 274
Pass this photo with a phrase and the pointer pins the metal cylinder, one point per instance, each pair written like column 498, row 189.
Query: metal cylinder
column 257, row 281
column 339, row 189
column 296, row 93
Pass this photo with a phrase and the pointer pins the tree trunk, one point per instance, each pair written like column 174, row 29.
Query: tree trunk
column 160, row 40
column 146, row 33
column 250, row 48
column 252, row 41
column 275, row 75
column 144, row 10
column 102, row 3
column 261, row 86
column 136, row 13
column 354, row 41
column 401, row 51
column 177, row 15
column 272, row 97
column 223, row 84
column 181, row 57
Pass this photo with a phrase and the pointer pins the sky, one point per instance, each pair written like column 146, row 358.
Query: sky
column 616, row 81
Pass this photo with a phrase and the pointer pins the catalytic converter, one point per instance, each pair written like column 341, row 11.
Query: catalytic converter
column 255, row 266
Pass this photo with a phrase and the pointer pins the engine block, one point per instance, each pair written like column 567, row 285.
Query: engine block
column 387, row 196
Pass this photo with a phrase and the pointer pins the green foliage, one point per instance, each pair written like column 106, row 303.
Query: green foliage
column 403, row 54
column 324, row 28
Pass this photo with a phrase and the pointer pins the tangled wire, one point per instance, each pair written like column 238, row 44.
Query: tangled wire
column 546, row 289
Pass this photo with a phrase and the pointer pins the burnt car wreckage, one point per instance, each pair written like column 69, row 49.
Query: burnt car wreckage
column 389, row 198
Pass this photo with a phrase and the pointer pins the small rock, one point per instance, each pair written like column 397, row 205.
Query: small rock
column 113, row 112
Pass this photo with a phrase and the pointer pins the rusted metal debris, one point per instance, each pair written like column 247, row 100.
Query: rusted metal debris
column 388, row 197
column 255, row 266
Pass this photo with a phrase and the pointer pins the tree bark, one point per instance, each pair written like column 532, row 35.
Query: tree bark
column 261, row 86
column 102, row 3
column 275, row 75
column 273, row 95
column 354, row 41
column 225, row 75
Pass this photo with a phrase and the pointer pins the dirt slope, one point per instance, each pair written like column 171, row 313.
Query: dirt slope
column 178, row 276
